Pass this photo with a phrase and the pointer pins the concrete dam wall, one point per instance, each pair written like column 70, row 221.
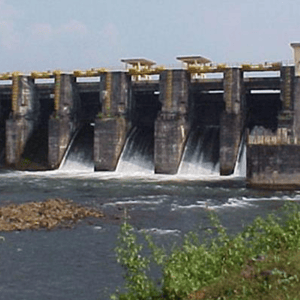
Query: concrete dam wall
column 39, row 119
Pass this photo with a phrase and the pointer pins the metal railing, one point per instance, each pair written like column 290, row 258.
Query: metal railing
column 194, row 69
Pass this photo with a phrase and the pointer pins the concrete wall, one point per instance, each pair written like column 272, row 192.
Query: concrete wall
column 232, row 120
column 23, row 119
column 170, row 137
column 273, row 166
column 114, row 90
column 109, row 140
column 286, row 116
column 2, row 134
column 112, row 126
column 231, row 127
column 296, row 121
column 171, row 127
column 273, row 158
column 65, row 120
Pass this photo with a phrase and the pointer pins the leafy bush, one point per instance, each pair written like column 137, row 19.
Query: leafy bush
column 138, row 283
column 195, row 266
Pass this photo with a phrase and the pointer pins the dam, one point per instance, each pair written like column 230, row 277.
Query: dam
column 162, row 110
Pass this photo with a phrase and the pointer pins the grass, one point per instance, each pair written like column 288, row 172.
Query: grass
column 276, row 277
column 262, row 262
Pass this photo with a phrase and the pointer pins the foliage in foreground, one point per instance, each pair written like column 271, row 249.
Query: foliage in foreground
column 262, row 262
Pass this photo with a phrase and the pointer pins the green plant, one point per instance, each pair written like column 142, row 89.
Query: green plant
column 262, row 262
column 138, row 283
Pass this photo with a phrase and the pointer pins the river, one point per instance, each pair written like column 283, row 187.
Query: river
column 80, row 263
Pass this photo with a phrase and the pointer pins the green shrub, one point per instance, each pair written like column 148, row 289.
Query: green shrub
column 195, row 266
column 138, row 283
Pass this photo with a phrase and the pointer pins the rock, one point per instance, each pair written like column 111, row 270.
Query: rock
column 48, row 214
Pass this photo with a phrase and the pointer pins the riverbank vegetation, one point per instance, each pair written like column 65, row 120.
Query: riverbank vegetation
column 262, row 262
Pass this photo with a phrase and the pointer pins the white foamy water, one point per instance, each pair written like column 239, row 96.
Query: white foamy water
column 197, row 159
column 78, row 170
column 134, row 202
column 208, row 205
column 136, row 166
column 160, row 231
column 234, row 202
column 134, row 158
column 274, row 198
column 62, row 163
column 241, row 163
column 198, row 168
column 76, row 165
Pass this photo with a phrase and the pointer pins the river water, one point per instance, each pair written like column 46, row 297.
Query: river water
column 80, row 263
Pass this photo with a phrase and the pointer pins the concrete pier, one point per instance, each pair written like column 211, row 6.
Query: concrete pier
column 23, row 119
column 171, row 127
column 296, row 119
column 111, row 125
column 109, row 140
column 232, row 120
column 5, row 109
column 65, row 120
column 273, row 157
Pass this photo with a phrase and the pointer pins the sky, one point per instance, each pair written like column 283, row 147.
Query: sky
column 82, row 34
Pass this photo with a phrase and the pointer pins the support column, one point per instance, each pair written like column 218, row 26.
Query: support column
column 111, row 127
column 296, row 89
column 24, row 117
column 171, row 126
column 286, row 116
column 232, row 120
column 297, row 106
column 64, row 121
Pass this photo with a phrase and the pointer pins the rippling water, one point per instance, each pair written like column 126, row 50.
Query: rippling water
column 80, row 263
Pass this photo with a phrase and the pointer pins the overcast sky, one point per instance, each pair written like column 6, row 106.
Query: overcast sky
column 82, row 34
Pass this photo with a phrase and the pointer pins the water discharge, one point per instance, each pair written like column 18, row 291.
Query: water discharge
column 137, row 157
column 241, row 162
column 201, row 157
column 79, row 155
